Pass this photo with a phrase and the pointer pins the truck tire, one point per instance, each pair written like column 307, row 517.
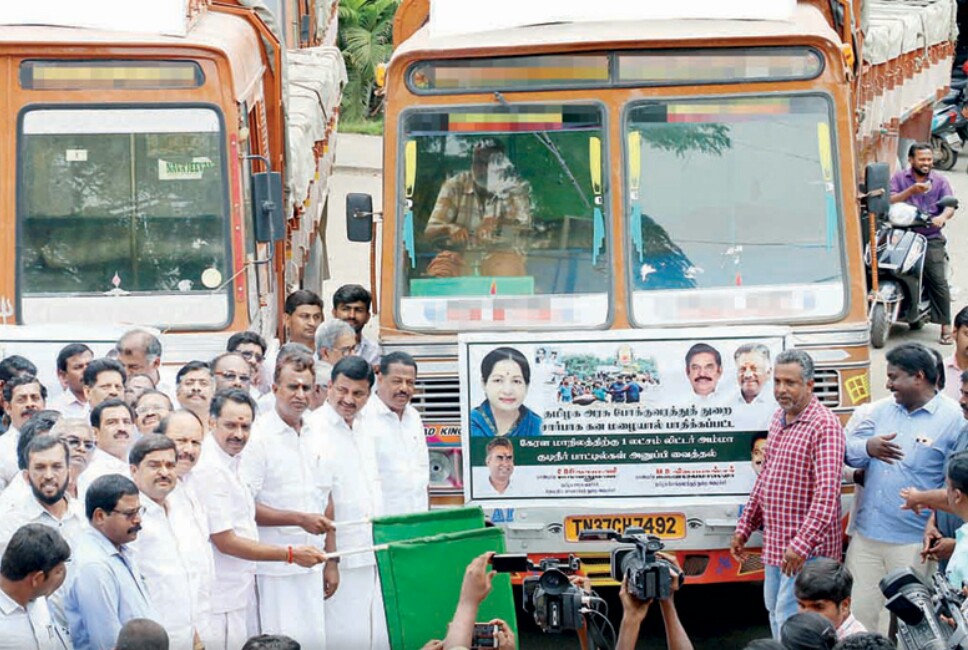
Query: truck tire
column 880, row 326
column 944, row 156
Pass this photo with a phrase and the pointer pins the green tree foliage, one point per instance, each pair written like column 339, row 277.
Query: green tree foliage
column 366, row 40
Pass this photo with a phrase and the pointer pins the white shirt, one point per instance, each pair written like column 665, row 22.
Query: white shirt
column 755, row 415
column 162, row 556
column 286, row 470
column 228, row 505
column 401, row 454
column 102, row 464
column 357, row 492
column 266, row 403
column 29, row 628
column 18, row 488
column 191, row 526
column 8, row 456
column 23, row 508
column 69, row 406
column 369, row 350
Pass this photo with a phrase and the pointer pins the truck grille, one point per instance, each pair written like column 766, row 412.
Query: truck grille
column 826, row 387
column 438, row 398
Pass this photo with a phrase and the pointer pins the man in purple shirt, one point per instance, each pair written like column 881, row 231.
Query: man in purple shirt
column 922, row 187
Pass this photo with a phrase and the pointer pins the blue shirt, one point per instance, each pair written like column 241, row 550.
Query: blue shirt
column 957, row 570
column 105, row 592
column 482, row 423
column 927, row 437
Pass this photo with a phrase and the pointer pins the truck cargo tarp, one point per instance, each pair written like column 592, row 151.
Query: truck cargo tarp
column 449, row 17
column 894, row 27
column 421, row 576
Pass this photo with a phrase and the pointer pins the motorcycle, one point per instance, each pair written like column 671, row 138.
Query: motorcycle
column 900, row 271
column 948, row 126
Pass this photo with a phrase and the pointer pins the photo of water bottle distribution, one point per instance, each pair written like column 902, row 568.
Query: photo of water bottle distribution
column 505, row 325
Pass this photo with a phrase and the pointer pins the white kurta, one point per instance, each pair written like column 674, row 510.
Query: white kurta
column 355, row 615
column 228, row 504
column 102, row 464
column 285, row 469
column 162, row 550
column 8, row 456
column 29, row 627
column 69, row 406
column 401, row 454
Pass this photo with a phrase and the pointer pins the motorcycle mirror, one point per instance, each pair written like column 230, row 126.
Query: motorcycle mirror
column 948, row 202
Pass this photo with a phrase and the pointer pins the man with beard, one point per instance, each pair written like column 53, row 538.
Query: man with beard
column 113, row 422
column 704, row 368
column 351, row 304
column 195, row 387
column 24, row 396
column 39, row 423
column 231, row 523
column 103, row 379
column 163, row 555
column 106, row 589
column 902, row 443
column 796, row 496
column 47, row 501
column 355, row 616
column 922, row 187
column 71, row 362
column 753, row 405
column 284, row 469
column 401, row 446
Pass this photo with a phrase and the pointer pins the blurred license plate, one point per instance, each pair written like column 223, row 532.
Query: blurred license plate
column 952, row 138
column 665, row 526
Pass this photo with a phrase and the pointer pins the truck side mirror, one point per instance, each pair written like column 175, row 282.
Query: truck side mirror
column 359, row 217
column 877, row 180
column 267, row 202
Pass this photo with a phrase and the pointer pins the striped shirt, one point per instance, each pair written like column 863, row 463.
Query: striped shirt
column 796, row 498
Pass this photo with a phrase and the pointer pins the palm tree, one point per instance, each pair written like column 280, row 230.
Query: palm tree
column 366, row 39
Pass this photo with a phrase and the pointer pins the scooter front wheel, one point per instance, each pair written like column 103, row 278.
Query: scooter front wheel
column 880, row 325
column 944, row 156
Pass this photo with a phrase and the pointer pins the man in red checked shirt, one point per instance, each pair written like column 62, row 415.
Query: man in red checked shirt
column 796, row 497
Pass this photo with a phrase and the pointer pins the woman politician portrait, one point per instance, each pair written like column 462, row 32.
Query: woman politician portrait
column 506, row 375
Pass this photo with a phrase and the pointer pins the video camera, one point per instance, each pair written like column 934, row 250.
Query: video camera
column 649, row 576
column 550, row 597
column 919, row 607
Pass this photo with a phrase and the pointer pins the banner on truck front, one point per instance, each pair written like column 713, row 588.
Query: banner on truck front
column 616, row 414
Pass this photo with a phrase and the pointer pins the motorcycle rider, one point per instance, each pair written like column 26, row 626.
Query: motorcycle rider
column 923, row 187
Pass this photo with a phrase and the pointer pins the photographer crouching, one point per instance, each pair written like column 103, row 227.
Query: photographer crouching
column 635, row 610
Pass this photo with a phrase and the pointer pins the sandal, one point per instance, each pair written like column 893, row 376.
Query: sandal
column 946, row 339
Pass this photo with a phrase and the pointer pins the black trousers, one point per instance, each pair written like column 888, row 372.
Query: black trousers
column 936, row 281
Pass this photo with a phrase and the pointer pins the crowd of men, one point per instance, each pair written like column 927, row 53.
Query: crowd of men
column 230, row 508
column 907, row 455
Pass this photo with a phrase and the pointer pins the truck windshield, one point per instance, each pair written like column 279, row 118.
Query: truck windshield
column 502, row 218
column 733, row 211
column 122, row 213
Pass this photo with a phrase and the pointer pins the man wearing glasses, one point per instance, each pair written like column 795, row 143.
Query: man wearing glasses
column 79, row 436
column 231, row 371
column 106, row 589
column 252, row 347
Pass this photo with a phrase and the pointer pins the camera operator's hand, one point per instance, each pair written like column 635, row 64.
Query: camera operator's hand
column 632, row 608
column 881, row 448
column 792, row 562
column 737, row 548
column 433, row 644
column 504, row 636
column 935, row 545
column 477, row 580
column 582, row 582
column 675, row 571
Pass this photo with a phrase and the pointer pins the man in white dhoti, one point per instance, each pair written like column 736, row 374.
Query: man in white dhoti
column 231, row 521
column 355, row 618
column 284, row 468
